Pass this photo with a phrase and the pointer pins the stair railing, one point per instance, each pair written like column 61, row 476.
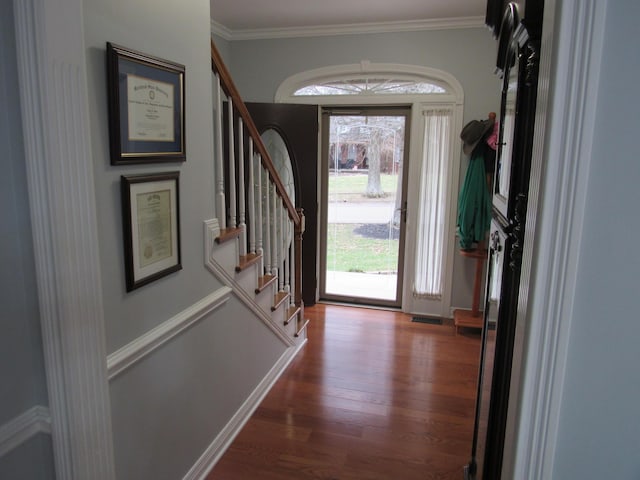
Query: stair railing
column 252, row 203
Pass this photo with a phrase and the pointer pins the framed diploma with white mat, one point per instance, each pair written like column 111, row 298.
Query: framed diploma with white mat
column 151, row 227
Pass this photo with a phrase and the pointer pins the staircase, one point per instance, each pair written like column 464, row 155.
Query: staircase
column 255, row 244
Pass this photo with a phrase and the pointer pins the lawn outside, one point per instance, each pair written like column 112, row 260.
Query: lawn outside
column 361, row 247
column 349, row 251
column 350, row 185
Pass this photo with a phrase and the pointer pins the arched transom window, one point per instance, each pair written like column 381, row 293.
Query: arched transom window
column 369, row 86
column 365, row 80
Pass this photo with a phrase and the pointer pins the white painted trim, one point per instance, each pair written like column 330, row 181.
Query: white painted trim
column 135, row 351
column 347, row 29
column 55, row 105
column 211, row 231
column 23, row 427
column 220, row 30
column 573, row 81
column 285, row 91
column 419, row 103
column 224, row 439
column 441, row 307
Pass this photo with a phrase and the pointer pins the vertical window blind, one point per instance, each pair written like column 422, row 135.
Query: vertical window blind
column 429, row 265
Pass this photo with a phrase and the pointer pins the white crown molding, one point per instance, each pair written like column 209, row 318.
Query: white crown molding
column 23, row 427
column 58, row 157
column 133, row 352
column 220, row 30
column 223, row 440
column 347, row 29
column 211, row 231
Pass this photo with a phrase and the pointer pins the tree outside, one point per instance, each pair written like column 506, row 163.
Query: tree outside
column 374, row 144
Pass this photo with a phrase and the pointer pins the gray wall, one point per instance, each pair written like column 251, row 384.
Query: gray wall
column 33, row 460
column 223, row 47
column 170, row 406
column 259, row 67
column 23, row 384
column 167, row 409
column 179, row 31
column 599, row 419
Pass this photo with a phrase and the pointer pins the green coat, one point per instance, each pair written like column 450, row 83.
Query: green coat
column 474, row 204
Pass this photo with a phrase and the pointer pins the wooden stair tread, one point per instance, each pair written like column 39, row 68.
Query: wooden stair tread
column 247, row 260
column 227, row 234
column 279, row 299
column 264, row 282
column 292, row 311
column 304, row 325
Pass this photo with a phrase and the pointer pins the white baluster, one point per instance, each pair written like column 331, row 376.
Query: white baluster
column 292, row 266
column 274, row 231
column 286, row 249
column 281, row 240
column 241, row 189
column 253, row 221
column 267, row 224
column 258, row 209
column 219, row 161
column 276, row 236
column 231, row 160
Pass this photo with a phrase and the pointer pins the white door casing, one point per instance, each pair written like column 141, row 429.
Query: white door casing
column 453, row 98
column 54, row 104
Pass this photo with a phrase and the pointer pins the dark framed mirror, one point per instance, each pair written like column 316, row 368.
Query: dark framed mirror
column 506, row 140
column 495, row 271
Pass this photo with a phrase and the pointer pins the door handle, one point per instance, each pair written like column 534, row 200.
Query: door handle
column 403, row 211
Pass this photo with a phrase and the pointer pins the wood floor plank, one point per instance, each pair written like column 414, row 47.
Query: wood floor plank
column 371, row 396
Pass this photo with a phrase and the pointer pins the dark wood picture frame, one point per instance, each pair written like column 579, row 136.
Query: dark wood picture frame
column 146, row 108
column 151, row 227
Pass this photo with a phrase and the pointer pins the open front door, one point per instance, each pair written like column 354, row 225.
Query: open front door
column 296, row 128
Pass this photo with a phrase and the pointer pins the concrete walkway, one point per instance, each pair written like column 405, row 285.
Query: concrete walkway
column 361, row 285
column 361, row 212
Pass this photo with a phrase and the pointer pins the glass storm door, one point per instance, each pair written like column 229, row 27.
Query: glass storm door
column 363, row 212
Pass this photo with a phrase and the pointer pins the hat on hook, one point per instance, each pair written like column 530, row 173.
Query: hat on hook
column 473, row 132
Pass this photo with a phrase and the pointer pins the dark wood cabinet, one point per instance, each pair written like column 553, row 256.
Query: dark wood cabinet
column 518, row 43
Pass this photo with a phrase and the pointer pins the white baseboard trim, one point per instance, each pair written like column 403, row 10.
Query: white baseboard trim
column 220, row 444
column 133, row 352
column 23, row 427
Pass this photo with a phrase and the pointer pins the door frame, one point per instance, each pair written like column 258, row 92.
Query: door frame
column 571, row 58
column 418, row 103
column 387, row 110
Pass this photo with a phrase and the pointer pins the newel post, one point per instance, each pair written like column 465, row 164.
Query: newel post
column 298, row 233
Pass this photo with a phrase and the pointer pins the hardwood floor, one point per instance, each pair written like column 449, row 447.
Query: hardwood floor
column 371, row 396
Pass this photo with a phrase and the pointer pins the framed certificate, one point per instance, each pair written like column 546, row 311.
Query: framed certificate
column 146, row 108
column 151, row 227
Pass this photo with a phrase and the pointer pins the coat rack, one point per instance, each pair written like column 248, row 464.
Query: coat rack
column 472, row 318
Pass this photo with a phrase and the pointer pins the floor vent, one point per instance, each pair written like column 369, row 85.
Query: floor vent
column 429, row 320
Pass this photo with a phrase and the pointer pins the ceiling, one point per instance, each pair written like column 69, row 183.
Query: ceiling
column 238, row 16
